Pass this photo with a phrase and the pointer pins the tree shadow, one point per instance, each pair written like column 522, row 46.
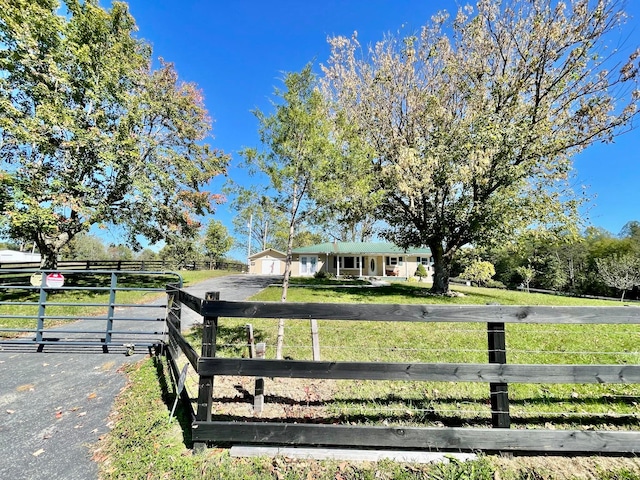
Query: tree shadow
column 183, row 413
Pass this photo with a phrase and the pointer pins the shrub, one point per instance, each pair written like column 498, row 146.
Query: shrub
column 494, row 284
column 323, row 274
column 421, row 272
column 479, row 272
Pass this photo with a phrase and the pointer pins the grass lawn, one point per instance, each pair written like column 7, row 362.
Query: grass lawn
column 567, row 406
column 136, row 444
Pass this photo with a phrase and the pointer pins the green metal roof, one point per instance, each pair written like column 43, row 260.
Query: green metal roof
column 360, row 248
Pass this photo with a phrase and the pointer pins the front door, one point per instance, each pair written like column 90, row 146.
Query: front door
column 308, row 265
column 372, row 267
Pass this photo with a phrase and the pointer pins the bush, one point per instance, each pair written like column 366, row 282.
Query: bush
column 494, row 284
column 322, row 274
column 421, row 271
column 479, row 272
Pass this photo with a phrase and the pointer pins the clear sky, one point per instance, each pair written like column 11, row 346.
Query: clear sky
column 237, row 51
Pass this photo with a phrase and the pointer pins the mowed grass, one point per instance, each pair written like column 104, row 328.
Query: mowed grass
column 21, row 308
column 532, row 405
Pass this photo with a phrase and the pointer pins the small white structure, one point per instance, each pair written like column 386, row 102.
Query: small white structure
column 13, row 256
column 267, row 262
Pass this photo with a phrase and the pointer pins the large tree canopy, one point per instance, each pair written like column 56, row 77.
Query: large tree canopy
column 90, row 133
column 473, row 121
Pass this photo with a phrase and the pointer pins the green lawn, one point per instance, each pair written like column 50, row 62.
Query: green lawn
column 569, row 406
column 407, row 292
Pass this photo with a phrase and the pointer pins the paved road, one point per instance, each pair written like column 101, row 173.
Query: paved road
column 55, row 405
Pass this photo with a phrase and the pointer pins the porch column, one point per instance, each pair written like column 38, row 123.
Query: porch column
column 384, row 267
column 338, row 267
column 361, row 262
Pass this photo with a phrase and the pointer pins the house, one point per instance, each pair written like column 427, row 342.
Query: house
column 369, row 259
column 360, row 259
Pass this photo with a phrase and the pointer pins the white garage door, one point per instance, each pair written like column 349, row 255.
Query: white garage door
column 271, row 267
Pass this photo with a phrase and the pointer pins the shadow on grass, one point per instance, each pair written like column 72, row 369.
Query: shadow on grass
column 424, row 412
column 228, row 338
column 182, row 413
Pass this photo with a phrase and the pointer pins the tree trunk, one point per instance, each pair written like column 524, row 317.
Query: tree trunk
column 48, row 255
column 441, row 268
column 285, row 283
column 48, row 261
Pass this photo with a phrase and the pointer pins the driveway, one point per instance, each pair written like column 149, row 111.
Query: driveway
column 55, row 405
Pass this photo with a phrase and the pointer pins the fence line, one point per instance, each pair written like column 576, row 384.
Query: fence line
column 497, row 373
column 129, row 265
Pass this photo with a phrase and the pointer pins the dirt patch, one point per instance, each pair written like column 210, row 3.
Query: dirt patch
column 284, row 398
column 565, row 468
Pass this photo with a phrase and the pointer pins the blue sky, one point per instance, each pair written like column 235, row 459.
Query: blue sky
column 237, row 51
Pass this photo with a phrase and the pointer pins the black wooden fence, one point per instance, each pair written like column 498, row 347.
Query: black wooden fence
column 155, row 265
column 206, row 429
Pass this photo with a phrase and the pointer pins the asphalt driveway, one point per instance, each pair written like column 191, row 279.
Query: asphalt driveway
column 54, row 405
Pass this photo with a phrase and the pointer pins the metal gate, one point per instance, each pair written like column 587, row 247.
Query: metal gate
column 80, row 308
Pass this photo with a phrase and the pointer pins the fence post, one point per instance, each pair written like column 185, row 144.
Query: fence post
column 205, row 384
column 499, row 391
column 258, row 397
column 315, row 341
column 42, row 302
column 111, row 310
column 250, row 340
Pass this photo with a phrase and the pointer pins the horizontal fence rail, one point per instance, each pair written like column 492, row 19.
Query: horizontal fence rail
column 35, row 312
column 425, row 313
column 212, row 427
column 140, row 265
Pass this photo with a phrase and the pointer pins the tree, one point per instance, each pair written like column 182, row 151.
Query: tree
column 180, row 252
column 296, row 151
column 621, row 272
column 85, row 247
column 479, row 272
column 90, row 134
column 421, row 272
column 119, row 252
column 217, row 241
column 268, row 222
column 305, row 238
column 473, row 121
column 147, row 254
column 526, row 274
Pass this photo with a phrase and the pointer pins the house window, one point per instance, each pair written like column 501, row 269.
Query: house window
column 424, row 261
column 347, row 262
column 393, row 261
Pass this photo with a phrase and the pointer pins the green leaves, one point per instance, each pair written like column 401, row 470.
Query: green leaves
column 471, row 125
column 90, row 134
